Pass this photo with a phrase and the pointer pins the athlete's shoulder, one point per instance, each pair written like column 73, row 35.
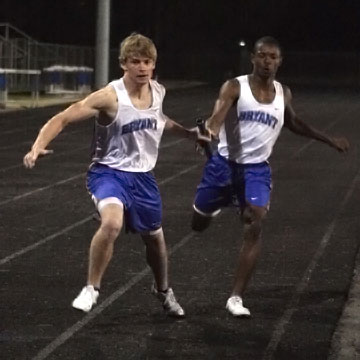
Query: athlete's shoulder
column 230, row 89
column 117, row 87
column 242, row 78
column 284, row 86
column 286, row 90
column 119, row 83
column 102, row 94
column 155, row 84
column 158, row 88
column 102, row 100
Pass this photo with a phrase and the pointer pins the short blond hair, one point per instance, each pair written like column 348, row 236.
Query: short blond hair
column 137, row 45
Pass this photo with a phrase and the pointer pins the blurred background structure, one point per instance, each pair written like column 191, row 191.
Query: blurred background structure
column 204, row 40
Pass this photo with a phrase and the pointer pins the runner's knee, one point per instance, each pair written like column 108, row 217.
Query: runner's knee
column 254, row 215
column 153, row 238
column 111, row 220
column 111, row 228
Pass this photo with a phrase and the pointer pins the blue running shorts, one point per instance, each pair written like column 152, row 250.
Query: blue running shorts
column 138, row 192
column 225, row 183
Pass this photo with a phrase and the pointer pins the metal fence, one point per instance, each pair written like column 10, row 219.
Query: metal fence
column 20, row 51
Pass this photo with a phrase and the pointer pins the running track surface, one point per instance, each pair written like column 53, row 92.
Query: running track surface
column 296, row 296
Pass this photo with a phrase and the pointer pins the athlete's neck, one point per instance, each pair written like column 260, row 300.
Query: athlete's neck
column 137, row 90
column 263, row 83
column 139, row 93
column 263, row 90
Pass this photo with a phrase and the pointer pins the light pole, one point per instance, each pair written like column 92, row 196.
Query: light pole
column 102, row 44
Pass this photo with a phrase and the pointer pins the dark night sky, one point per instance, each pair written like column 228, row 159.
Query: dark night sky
column 195, row 24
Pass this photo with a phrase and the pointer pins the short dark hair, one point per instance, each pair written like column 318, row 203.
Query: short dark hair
column 269, row 40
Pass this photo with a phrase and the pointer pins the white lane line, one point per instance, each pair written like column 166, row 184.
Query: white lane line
column 61, row 339
column 17, row 145
column 67, row 334
column 182, row 172
column 161, row 183
column 304, row 147
column 43, row 241
column 18, row 197
column 171, row 143
column 76, row 224
column 292, row 306
column 165, row 146
column 107, row 302
column 66, row 152
column 30, row 142
column 14, row 131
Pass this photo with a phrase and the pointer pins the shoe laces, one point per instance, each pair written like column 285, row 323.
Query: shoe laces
column 236, row 300
column 89, row 291
column 170, row 296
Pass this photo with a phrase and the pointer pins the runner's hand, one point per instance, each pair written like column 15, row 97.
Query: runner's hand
column 341, row 144
column 200, row 139
column 194, row 134
column 31, row 157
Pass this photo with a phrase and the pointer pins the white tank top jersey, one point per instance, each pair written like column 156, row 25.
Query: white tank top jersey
column 249, row 136
column 131, row 141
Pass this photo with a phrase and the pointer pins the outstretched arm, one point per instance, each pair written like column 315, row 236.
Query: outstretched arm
column 180, row 131
column 100, row 100
column 176, row 128
column 229, row 93
column 297, row 126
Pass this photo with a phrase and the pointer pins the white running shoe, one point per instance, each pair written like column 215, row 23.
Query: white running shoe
column 169, row 302
column 235, row 306
column 86, row 299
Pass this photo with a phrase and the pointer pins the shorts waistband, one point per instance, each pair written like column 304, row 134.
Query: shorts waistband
column 234, row 163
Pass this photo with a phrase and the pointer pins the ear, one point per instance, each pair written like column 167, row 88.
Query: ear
column 252, row 56
column 123, row 65
column 153, row 65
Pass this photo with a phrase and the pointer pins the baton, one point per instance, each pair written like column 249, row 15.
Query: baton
column 200, row 123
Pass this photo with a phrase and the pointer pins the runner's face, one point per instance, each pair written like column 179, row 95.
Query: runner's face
column 266, row 60
column 139, row 69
